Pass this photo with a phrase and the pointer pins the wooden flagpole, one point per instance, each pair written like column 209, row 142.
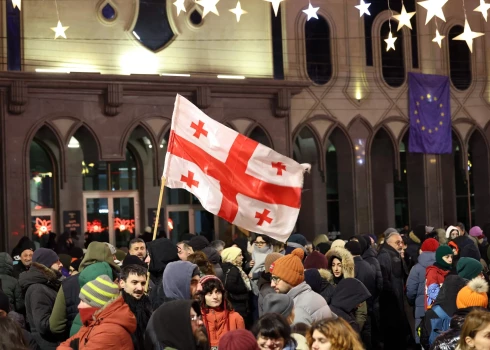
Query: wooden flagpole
column 155, row 228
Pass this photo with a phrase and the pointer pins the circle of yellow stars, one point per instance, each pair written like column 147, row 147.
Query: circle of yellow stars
column 416, row 112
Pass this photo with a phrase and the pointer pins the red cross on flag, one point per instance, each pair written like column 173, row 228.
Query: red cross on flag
column 234, row 177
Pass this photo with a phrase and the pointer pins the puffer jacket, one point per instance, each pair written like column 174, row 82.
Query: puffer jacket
column 10, row 285
column 40, row 286
column 449, row 339
column 370, row 256
column 308, row 305
column 109, row 329
column 220, row 322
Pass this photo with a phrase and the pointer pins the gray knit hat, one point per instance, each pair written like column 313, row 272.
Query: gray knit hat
column 99, row 292
column 278, row 303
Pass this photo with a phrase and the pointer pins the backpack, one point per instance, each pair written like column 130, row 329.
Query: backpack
column 440, row 324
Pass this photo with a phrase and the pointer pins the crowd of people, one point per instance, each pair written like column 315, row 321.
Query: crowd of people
column 424, row 288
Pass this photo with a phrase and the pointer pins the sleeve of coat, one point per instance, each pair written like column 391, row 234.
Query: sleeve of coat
column 19, row 299
column 239, row 322
column 58, row 320
column 379, row 277
column 412, row 285
column 234, row 283
column 386, row 270
column 361, row 315
column 41, row 310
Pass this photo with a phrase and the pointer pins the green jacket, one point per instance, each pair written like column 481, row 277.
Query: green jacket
column 96, row 252
column 10, row 285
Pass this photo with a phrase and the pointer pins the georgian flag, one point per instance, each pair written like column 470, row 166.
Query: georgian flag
column 234, row 177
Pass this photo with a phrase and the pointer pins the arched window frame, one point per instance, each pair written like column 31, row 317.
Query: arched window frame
column 378, row 47
column 446, row 27
column 301, row 46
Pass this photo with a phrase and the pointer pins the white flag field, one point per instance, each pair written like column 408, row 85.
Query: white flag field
column 234, row 177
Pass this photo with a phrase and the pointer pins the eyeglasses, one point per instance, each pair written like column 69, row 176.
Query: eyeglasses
column 399, row 242
column 275, row 279
column 196, row 318
column 259, row 242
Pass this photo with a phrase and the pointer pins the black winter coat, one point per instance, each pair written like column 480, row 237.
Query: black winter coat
column 40, row 286
column 449, row 339
column 264, row 285
column 18, row 269
column 237, row 290
column 371, row 257
column 394, row 324
column 10, row 285
column 365, row 274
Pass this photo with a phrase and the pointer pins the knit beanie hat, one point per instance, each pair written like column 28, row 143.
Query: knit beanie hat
column 473, row 294
column 269, row 259
column 44, row 256
column 99, row 292
column 239, row 339
column 290, row 268
column 229, row 255
column 316, row 260
column 198, row 243
column 278, row 303
column 314, row 280
column 476, row 231
column 442, row 251
column 133, row 260
column 338, row 243
column 323, row 248
column 353, row 247
column 430, row 245
column 297, row 238
column 469, row 268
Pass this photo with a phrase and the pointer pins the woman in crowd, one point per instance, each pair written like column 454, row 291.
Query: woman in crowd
column 272, row 331
column 340, row 266
column 237, row 282
column 476, row 331
column 217, row 314
column 333, row 334
column 201, row 260
column 262, row 247
column 452, row 232
column 11, row 337
column 436, row 273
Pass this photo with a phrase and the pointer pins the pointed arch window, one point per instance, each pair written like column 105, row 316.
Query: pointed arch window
column 392, row 61
column 318, row 50
column 259, row 135
column 459, row 60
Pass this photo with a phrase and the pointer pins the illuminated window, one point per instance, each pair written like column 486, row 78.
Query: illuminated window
column 42, row 180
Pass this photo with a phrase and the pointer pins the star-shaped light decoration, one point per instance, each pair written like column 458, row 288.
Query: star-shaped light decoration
column 275, row 5
column 209, row 6
column 483, row 8
column 180, row 6
column 438, row 38
column 390, row 42
column 311, row 12
column 434, row 8
column 59, row 30
column 363, row 8
column 16, row 3
column 468, row 35
column 238, row 11
column 404, row 18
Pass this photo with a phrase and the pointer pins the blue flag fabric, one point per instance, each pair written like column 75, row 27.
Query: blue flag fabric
column 430, row 114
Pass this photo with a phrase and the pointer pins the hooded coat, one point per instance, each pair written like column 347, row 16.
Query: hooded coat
column 177, row 280
column 416, row 286
column 371, row 257
column 215, row 259
column 308, row 305
column 40, row 286
column 10, row 285
column 109, row 329
column 65, row 308
column 348, row 270
column 394, row 325
column 162, row 252
column 349, row 293
column 434, row 278
column 218, row 322
column 170, row 326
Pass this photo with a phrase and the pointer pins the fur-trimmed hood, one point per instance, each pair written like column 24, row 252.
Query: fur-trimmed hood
column 347, row 261
column 413, row 237
column 39, row 274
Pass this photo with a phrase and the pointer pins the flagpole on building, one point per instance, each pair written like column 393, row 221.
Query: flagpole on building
column 155, row 225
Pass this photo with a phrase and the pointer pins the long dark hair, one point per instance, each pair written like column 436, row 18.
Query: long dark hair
column 12, row 337
column 208, row 287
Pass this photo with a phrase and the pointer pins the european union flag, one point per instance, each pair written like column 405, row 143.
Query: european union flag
column 430, row 114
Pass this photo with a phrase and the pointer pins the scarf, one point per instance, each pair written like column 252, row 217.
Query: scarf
column 245, row 278
column 258, row 256
column 142, row 310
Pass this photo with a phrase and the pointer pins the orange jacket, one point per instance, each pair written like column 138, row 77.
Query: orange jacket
column 219, row 322
column 110, row 329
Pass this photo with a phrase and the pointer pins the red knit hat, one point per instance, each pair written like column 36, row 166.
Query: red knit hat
column 290, row 268
column 429, row 245
column 316, row 260
column 239, row 339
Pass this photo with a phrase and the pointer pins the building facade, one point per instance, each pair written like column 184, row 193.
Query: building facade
column 85, row 120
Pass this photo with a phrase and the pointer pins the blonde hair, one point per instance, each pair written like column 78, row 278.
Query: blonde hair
column 476, row 321
column 338, row 332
